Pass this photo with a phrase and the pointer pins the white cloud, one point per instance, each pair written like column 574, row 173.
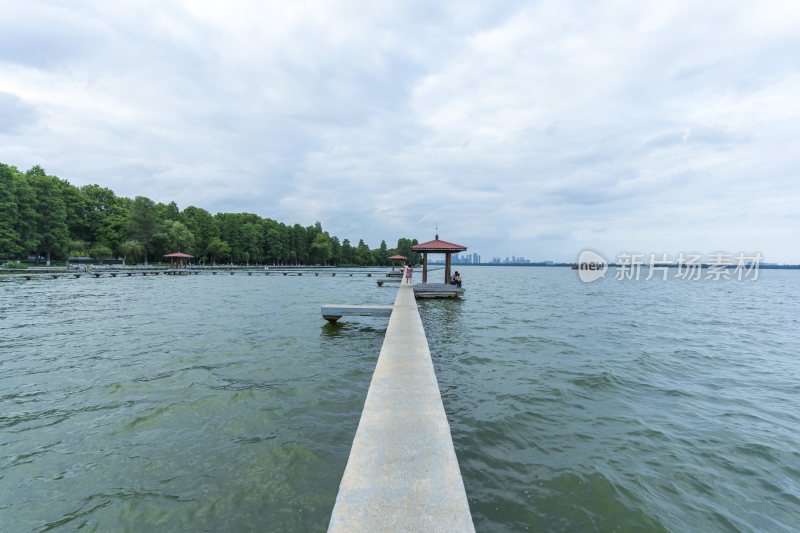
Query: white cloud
column 517, row 128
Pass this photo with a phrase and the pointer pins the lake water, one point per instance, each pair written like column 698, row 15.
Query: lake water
column 226, row 402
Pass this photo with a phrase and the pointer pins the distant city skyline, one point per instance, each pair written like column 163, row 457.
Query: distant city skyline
column 475, row 258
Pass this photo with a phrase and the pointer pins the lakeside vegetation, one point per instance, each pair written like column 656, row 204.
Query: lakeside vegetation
column 47, row 217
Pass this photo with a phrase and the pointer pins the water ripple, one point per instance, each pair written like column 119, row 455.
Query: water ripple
column 668, row 406
column 154, row 403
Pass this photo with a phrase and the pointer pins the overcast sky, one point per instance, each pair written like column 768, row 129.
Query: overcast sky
column 533, row 129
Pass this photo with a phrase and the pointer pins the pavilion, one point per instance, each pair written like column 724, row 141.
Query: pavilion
column 396, row 257
column 178, row 259
column 438, row 246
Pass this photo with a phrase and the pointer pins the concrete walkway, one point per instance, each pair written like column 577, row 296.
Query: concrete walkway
column 402, row 474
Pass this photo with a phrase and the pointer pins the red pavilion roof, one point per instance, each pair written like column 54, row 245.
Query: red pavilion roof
column 178, row 254
column 438, row 245
column 398, row 256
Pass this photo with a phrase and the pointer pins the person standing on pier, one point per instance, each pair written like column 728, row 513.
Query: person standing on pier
column 409, row 271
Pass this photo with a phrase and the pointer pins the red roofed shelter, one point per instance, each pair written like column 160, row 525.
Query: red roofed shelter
column 178, row 260
column 437, row 246
column 397, row 257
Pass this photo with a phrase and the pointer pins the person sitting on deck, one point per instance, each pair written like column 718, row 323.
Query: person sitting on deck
column 456, row 279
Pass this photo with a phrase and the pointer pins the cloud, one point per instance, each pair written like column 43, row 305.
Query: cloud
column 518, row 128
column 15, row 115
column 47, row 35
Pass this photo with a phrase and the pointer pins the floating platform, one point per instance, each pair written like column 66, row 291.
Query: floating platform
column 437, row 290
column 332, row 312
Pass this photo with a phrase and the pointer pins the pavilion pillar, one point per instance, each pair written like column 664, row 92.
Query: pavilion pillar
column 424, row 267
column 447, row 268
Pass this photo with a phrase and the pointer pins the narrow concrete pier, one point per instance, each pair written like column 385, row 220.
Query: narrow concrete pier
column 402, row 474
column 332, row 313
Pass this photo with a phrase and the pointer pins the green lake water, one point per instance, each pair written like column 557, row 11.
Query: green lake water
column 226, row 403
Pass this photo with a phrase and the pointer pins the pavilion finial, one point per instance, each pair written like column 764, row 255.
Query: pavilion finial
column 437, row 232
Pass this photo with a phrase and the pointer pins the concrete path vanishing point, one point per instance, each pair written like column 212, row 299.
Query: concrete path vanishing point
column 402, row 474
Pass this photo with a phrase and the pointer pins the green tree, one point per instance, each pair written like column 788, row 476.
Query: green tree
column 51, row 213
column 169, row 211
column 381, row 255
column 336, row 250
column 99, row 252
column 253, row 240
column 230, row 231
column 273, row 245
column 202, row 225
column 321, row 249
column 41, row 213
column 115, row 230
column 286, row 243
column 159, row 242
column 180, row 238
column 218, row 249
column 348, row 253
column 76, row 247
column 130, row 249
column 171, row 236
column 299, row 248
column 9, row 237
column 28, row 236
column 415, row 257
column 404, row 248
column 143, row 222
column 75, row 203
column 106, row 216
column 311, row 233
column 363, row 254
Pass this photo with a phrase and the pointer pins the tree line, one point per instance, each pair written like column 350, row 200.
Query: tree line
column 48, row 218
